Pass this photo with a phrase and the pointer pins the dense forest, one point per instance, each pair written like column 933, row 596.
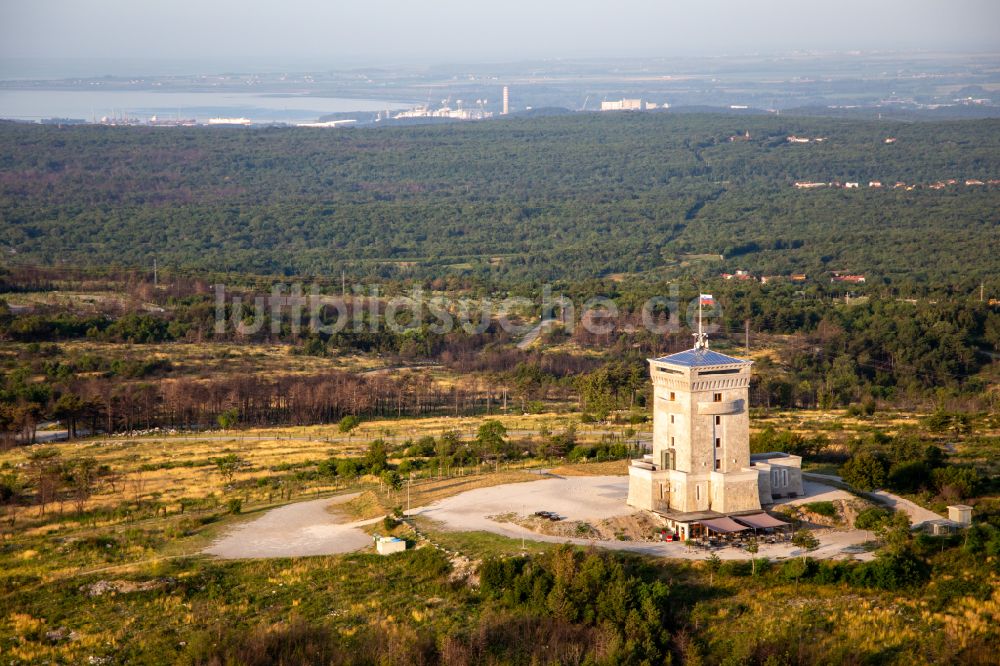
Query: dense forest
column 827, row 352
column 572, row 197
column 625, row 207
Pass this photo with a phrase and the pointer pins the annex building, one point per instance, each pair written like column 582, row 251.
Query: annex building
column 700, row 475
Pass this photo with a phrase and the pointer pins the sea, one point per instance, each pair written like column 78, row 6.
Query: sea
column 92, row 105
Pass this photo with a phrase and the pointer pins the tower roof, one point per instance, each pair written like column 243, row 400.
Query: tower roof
column 693, row 358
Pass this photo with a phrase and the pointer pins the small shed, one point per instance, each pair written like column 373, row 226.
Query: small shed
column 389, row 545
column 961, row 514
column 941, row 527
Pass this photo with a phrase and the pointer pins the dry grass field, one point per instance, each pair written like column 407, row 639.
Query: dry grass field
column 170, row 469
column 205, row 360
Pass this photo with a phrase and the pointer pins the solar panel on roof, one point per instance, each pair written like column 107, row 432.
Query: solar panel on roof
column 700, row 357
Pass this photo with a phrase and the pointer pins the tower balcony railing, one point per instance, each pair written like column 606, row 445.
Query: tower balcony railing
column 720, row 408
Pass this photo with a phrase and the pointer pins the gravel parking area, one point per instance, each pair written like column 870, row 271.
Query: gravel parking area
column 307, row 528
column 296, row 530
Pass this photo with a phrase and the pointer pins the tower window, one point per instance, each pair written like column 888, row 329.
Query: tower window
column 697, row 492
column 671, row 441
column 718, row 442
column 718, row 420
column 717, row 397
column 718, row 464
column 671, row 418
column 673, row 396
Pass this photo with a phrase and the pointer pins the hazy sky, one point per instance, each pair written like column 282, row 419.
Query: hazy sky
column 469, row 31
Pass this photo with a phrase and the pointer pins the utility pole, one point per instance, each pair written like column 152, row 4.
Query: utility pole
column 524, row 511
column 747, row 332
column 981, row 286
column 155, row 281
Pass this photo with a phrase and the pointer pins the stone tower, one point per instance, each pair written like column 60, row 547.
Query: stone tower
column 701, row 438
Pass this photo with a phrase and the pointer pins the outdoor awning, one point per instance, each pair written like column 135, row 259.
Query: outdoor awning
column 722, row 525
column 760, row 521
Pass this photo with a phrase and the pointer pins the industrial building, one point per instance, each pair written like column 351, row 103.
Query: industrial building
column 623, row 105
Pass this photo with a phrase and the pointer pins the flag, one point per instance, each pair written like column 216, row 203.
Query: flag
column 706, row 299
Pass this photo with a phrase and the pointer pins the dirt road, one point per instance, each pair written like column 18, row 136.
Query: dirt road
column 296, row 530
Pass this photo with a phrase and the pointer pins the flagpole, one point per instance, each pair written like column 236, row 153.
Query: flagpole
column 700, row 334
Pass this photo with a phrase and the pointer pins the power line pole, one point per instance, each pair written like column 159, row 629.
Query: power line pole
column 746, row 325
column 155, row 280
column 981, row 285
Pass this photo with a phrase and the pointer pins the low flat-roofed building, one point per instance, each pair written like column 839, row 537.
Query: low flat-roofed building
column 779, row 475
column 389, row 545
column 961, row 514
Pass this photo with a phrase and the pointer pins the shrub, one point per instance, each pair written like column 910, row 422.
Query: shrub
column 864, row 471
column 234, row 505
column 10, row 487
column 956, row 480
column 428, row 563
column 228, row 418
column 829, row 572
column 349, row 468
column 797, row 569
column 348, row 423
column 872, row 518
column 735, row 568
column 909, row 476
column 377, row 459
column 827, row 509
column 892, row 570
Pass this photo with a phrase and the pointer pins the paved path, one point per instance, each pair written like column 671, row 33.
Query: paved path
column 918, row 514
column 295, row 530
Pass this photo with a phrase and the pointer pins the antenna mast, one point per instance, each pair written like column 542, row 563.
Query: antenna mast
column 701, row 339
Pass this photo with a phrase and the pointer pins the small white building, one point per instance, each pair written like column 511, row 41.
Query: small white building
column 961, row 514
column 389, row 545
